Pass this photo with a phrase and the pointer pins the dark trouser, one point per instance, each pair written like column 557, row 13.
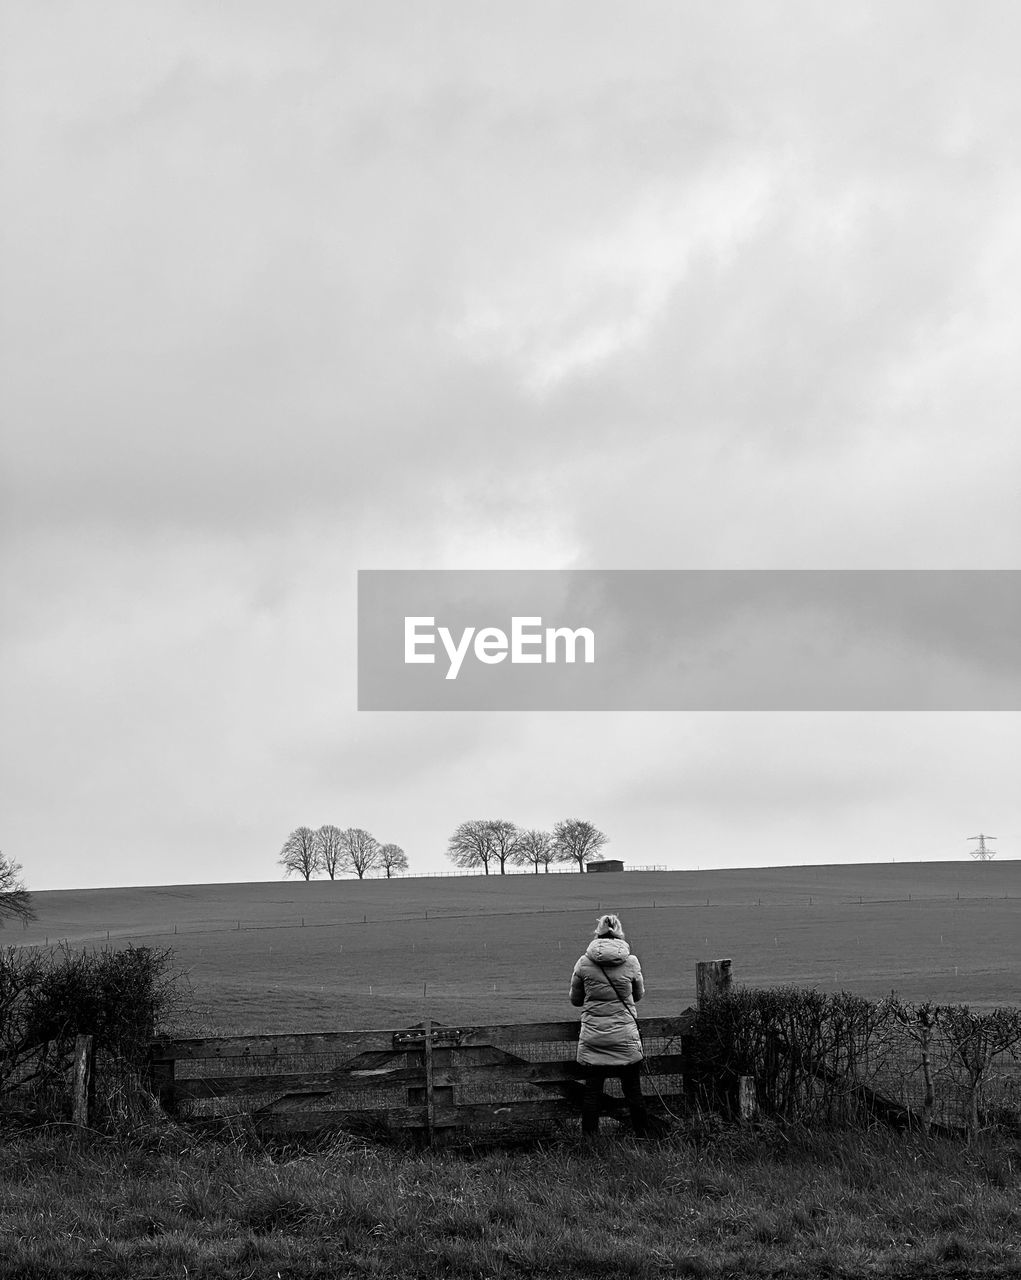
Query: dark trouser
column 631, row 1084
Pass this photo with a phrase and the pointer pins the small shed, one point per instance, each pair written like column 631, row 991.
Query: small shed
column 605, row 864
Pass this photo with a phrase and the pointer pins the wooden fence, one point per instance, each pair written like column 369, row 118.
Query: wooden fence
column 428, row 1077
column 512, row 1078
column 788, row 1054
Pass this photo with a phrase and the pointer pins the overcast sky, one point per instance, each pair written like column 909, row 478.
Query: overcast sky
column 290, row 291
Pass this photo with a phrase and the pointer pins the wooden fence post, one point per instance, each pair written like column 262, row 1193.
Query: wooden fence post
column 712, row 978
column 430, row 1112
column 161, row 1080
column 83, row 1064
column 747, row 1102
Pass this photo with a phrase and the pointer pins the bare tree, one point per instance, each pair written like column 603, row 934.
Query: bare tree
column 504, row 837
column 330, row 848
column 392, row 858
column 15, row 899
column 471, row 845
column 300, row 854
column 360, row 851
column 976, row 1038
column 920, row 1022
column 534, row 849
column 577, row 841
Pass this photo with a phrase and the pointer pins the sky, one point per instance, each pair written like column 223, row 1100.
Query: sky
column 293, row 291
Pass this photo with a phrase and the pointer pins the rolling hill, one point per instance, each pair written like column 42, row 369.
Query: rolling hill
column 288, row 955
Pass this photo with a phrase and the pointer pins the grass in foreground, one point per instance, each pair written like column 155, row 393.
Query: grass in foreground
column 721, row 1204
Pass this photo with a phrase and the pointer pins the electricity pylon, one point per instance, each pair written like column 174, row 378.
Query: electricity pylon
column 982, row 854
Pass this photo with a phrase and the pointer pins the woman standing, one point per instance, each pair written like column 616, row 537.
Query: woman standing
column 607, row 984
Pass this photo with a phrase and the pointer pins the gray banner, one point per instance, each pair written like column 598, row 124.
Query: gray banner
column 689, row 640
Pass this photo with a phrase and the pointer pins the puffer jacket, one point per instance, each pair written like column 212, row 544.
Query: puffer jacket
column 609, row 1028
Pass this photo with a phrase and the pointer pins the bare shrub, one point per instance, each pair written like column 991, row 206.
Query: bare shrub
column 48, row 998
column 842, row 1058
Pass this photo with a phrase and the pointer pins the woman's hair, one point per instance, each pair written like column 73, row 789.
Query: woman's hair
column 609, row 927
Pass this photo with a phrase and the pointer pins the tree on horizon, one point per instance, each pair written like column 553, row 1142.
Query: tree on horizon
column 534, row 849
column 360, row 851
column 331, row 849
column 300, row 854
column 471, row 845
column 392, row 858
column 15, row 899
column 504, row 837
column 575, row 840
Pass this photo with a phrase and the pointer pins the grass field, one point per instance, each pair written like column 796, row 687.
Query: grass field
column 721, row 1204
column 290, row 956
column 707, row 1201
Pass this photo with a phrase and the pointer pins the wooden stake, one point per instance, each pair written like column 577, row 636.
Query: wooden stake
column 712, row 978
column 83, row 1061
column 747, row 1102
column 430, row 1113
column 161, row 1081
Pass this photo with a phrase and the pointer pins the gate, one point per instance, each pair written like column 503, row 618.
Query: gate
column 507, row 1078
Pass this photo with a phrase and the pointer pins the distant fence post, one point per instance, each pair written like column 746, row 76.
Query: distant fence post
column 83, row 1064
column 712, row 978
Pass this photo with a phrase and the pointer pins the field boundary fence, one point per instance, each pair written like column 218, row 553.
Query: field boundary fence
column 788, row 1054
column 785, row 1053
column 431, row 1078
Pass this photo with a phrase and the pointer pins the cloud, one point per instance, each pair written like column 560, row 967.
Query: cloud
column 361, row 286
column 602, row 292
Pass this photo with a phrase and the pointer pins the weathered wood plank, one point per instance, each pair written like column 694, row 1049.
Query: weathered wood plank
column 319, row 1082
column 354, row 1042
column 545, row 1032
column 372, row 1063
column 292, row 1102
column 533, row 1033
column 508, row 1115
column 465, row 1035
column 333, row 1042
column 511, row 1114
column 492, row 1074
column 418, row 1095
column 274, row 1046
column 371, row 1066
column 415, row 1117
column 505, row 1069
column 295, row 1123
column 680, row 1024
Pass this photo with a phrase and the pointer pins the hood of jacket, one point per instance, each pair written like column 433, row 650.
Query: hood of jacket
column 608, row 950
